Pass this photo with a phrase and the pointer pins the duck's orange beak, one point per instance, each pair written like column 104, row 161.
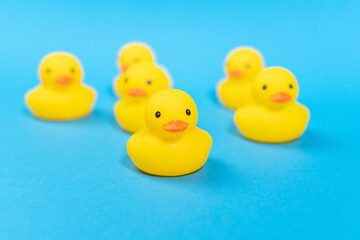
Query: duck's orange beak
column 125, row 67
column 137, row 92
column 64, row 80
column 175, row 126
column 280, row 97
column 236, row 73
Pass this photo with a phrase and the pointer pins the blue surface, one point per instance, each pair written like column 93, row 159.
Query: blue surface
column 74, row 180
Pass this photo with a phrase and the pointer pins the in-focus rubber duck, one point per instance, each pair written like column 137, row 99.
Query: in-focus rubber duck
column 241, row 66
column 61, row 94
column 139, row 82
column 129, row 54
column 170, row 144
column 275, row 116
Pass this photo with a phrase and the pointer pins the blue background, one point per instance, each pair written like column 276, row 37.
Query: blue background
column 74, row 180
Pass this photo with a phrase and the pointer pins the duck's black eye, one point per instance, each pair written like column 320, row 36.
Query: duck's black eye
column 157, row 114
column 72, row 70
column 148, row 81
column 264, row 87
column 188, row 112
column 291, row 86
column 125, row 80
column 247, row 65
column 48, row 70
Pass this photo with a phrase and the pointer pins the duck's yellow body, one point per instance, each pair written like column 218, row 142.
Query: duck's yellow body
column 48, row 104
column 130, row 114
column 137, row 85
column 158, row 156
column 242, row 64
column 269, row 126
column 61, row 96
column 170, row 144
column 275, row 116
column 234, row 93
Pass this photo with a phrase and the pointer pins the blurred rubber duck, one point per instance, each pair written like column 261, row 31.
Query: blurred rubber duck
column 139, row 82
column 170, row 144
column 129, row 54
column 133, row 53
column 275, row 116
column 61, row 94
column 241, row 65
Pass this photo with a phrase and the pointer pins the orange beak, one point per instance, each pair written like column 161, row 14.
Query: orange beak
column 280, row 97
column 137, row 92
column 175, row 126
column 125, row 67
column 236, row 74
column 64, row 80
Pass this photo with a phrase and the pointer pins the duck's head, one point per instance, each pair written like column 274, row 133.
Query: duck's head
column 60, row 70
column 275, row 88
column 134, row 53
column 171, row 113
column 141, row 81
column 243, row 63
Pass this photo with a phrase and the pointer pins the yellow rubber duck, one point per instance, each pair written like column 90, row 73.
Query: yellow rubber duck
column 61, row 94
column 139, row 82
column 275, row 116
column 135, row 52
column 170, row 144
column 129, row 54
column 241, row 65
